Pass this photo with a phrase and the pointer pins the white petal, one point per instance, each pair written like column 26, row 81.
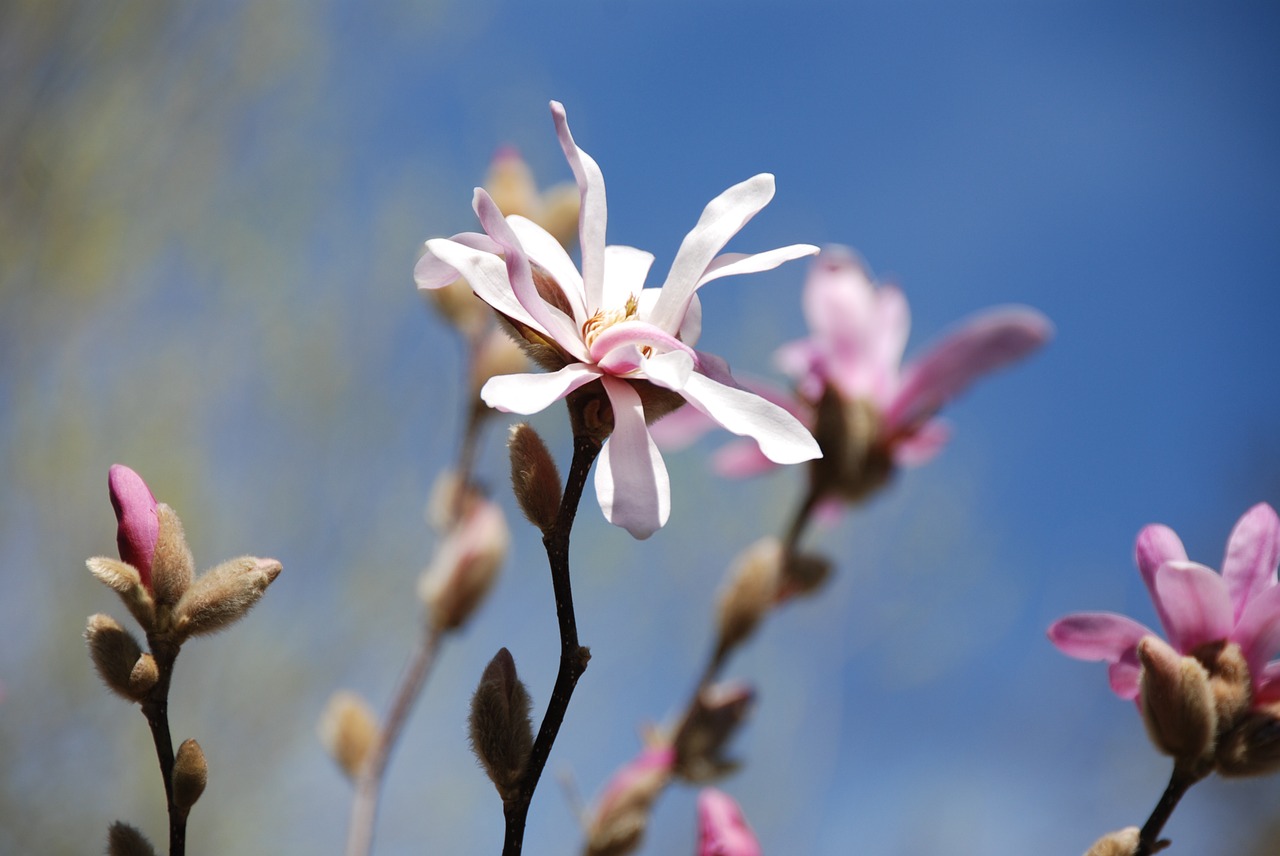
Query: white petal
column 433, row 272
column 625, row 269
column 544, row 249
column 529, row 393
column 671, row 369
column 782, row 438
column 593, row 213
column 732, row 264
column 631, row 479
column 723, row 217
column 487, row 274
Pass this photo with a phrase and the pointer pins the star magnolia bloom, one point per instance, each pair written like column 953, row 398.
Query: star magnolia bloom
column 722, row 831
column 602, row 325
column 138, row 526
column 1195, row 606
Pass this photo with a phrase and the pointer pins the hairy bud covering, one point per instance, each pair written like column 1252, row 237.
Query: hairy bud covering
column 749, row 591
column 115, row 655
column 348, row 729
column 622, row 814
column 172, row 567
column 535, row 478
column 222, row 596
column 190, row 774
column 1177, row 703
column 1122, row 842
column 124, row 840
column 500, row 728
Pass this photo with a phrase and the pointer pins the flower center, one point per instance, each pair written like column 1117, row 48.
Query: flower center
column 603, row 319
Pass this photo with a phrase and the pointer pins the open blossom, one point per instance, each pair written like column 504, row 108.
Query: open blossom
column 722, row 831
column 602, row 326
column 1198, row 608
column 869, row 411
column 138, row 526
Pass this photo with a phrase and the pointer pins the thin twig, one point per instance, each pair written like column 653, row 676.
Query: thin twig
column 573, row 657
column 156, row 709
column 1179, row 783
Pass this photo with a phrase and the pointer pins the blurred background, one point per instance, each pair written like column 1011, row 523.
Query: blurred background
column 209, row 215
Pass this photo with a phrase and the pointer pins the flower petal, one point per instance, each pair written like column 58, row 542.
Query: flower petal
column 782, row 438
column 1096, row 635
column 529, row 393
column 1195, row 603
column 981, row 345
column 1156, row 545
column 722, row 831
column 922, row 445
column 631, row 478
column 487, row 275
column 593, row 213
column 723, row 217
column 625, row 270
column 626, row 333
column 138, row 525
column 433, row 272
column 733, row 264
column 1125, row 675
column 1258, row 631
column 545, row 251
column 1253, row 550
column 671, row 369
column 1267, row 687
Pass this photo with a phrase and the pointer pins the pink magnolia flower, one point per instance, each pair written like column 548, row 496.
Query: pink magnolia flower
column 138, row 526
column 1196, row 606
column 601, row 325
column 858, row 332
column 722, row 831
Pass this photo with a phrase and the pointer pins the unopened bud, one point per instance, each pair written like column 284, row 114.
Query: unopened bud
column 144, row 676
column 803, row 574
column 124, row 840
column 348, row 729
column 622, row 813
column 124, row 579
column 465, row 565
column 1177, row 702
column 749, row 591
column 1228, row 679
column 115, row 653
column 137, row 528
column 1252, row 747
column 534, row 477
column 172, row 567
column 190, row 775
column 222, row 596
column 500, row 728
column 722, row 830
column 711, row 722
column 497, row 354
column 1122, row 842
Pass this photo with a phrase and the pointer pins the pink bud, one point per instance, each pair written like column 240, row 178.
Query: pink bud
column 139, row 527
column 722, row 831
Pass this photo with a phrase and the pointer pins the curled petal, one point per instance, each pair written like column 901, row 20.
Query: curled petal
column 1253, row 551
column 593, row 212
column 733, row 264
column 530, row 393
column 433, row 272
column 782, row 438
column 1097, row 635
column 631, row 478
column 723, row 217
column 635, row 333
column 1258, row 631
column 487, row 274
column 548, row 253
column 985, row 343
column 1195, row 602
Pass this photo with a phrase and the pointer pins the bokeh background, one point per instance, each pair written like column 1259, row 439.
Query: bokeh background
column 209, row 215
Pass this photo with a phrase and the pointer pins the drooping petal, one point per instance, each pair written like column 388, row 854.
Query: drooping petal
column 1195, row 602
column 1258, row 631
column 545, row 251
column 781, row 437
column 433, row 272
column 631, row 478
column 1125, row 675
column 733, row 264
column 1253, row 550
column 593, row 213
column 487, row 274
column 530, row 393
column 1096, row 635
column 1156, row 545
column 625, row 270
column 922, row 445
column 723, row 217
column 981, row 345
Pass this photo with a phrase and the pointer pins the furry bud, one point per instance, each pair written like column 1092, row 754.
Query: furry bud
column 144, row 675
column 124, row 840
column 501, row 731
column 803, row 574
column 1252, row 747
column 1177, row 703
column 115, row 655
column 622, row 813
column 190, row 774
column 348, row 729
column 223, row 595
column 852, row 466
column 711, row 722
column 749, row 592
column 1228, row 679
column 1122, row 842
column 465, row 565
column 125, row 580
column 172, row 567
column 534, row 477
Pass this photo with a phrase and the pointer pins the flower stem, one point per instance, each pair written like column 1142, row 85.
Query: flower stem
column 1179, row 783
column 156, row 709
column 573, row 657
column 364, row 808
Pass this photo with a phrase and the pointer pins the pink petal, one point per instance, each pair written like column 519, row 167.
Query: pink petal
column 722, row 830
column 1195, row 603
column 723, row 217
column 639, row 774
column 893, row 320
column 593, row 214
column 840, row 307
column 432, row 272
column 733, row 264
column 1156, row 545
column 781, row 437
column 530, row 393
column 921, row 446
column 1096, row 635
column 740, row 459
column 1258, row 631
column 1267, row 687
column 487, row 275
column 1125, row 674
column 138, row 527
column 544, row 250
column 625, row 270
column 640, row 333
column 631, row 479
column 1253, row 551
column 981, row 345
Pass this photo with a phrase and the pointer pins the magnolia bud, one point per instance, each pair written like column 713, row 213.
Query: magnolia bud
column 1123, row 842
column 223, row 595
column 124, row 840
column 852, row 465
column 722, row 830
column 172, row 567
column 501, row 731
column 465, row 565
column 125, row 580
column 1177, row 702
column 144, row 675
column 348, row 729
column 534, row 477
column 115, row 654
column 137, row 527
column 622, row 813
column 190, row 775
column 1252, row 747
column 749, row 591
column 712, row 721
column 803, row 574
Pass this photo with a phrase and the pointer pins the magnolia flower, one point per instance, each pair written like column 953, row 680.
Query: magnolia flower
column 138, row 526
column 722, row 831
column 868, row 411
column 1197, row 607
column 602, row 326
column 618, row 823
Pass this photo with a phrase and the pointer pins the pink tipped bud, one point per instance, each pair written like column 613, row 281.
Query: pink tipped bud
column 623, row 811
column 139, row 528
column 712, row 721
column 722, row 831
column 465, row 566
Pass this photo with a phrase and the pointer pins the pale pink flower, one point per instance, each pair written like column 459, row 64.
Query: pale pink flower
column 1195, row 606
column 722, row 831
column 857, row 335
column 618, row 821
column 602, row 325
column 138, row 526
